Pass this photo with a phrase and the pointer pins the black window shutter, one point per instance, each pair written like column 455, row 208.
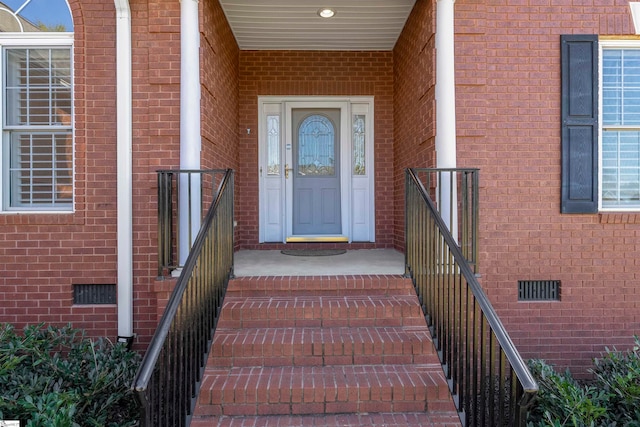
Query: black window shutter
column 579, row 55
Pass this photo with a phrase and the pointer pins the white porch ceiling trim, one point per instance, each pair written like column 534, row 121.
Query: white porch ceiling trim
column 295, row 24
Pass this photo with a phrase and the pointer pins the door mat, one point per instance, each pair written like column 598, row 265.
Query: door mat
column 313, row 252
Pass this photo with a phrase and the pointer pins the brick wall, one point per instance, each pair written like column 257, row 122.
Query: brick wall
column 45, row 254
column 219, row 112
column 508, row 124
column 156, row 134
column 157, row 127
column 219, row 71
column 414, row 102
column 315, row 73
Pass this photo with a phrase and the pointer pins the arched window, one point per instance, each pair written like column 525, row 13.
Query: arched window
column 35, row 16
column 37, row 104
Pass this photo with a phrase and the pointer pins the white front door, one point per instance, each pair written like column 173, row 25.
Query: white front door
column 316, row 170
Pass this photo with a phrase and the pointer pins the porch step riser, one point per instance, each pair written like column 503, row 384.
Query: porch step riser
column 321, row 347
column 321, row 285
column 308, row 390
column 335, row 360
column 281, row 312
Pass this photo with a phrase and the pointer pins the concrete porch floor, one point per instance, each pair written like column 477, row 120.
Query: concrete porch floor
column 361, row 261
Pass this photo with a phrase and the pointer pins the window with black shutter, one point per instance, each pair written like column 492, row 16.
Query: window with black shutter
column 600, row 99
column 579, row 54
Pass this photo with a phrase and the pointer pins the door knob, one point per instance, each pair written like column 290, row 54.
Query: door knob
column 287, row 169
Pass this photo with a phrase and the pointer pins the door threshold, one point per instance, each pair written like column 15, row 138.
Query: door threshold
column 326, row 239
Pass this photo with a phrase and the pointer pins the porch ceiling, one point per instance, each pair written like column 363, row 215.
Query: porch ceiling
column 295, row 24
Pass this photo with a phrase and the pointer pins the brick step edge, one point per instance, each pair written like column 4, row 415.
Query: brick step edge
column 316, row 285
column 327, row 311
column 312, row 390
column 321, row 346
column 405, row 419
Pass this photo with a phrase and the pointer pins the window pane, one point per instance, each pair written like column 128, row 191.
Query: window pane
column 40, row 169
column 316, row 146
column 38, row 86
column 273, row 145
column 359, row 166
column 620, row 169
column 621, row 87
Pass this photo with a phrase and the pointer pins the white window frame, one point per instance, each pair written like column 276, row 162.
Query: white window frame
column 32, row 40
column 605, row 45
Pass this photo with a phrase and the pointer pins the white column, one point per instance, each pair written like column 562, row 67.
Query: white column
column 446, row 107
column 190, row 138
column 124, row 171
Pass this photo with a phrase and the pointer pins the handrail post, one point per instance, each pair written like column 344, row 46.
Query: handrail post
column 406, row 226
column 165, row 221
column 171, row 237
column 160, row 227
column 475, row 222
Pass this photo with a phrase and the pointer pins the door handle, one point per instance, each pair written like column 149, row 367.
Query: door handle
column 287, row 169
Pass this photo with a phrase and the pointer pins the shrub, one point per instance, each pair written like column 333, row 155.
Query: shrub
column 611, row 399
column 562, row 401
column 618, row 373
column 57, row 377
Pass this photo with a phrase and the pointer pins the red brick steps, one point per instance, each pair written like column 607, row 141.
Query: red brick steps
column 323, row 351
column 319, row 285
column 321, row 346
column 324, row 389
column 321, row 311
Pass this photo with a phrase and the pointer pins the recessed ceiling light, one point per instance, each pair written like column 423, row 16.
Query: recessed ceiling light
column 326, row 12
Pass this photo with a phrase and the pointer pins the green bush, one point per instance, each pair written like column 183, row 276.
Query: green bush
column 612, row 398
column 57, row 377
column 618, row 373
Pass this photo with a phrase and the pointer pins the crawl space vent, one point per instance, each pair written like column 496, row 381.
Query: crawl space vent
column 538, row 290
column 94, row 294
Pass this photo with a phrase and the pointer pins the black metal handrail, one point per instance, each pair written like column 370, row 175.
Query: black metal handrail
column 199, row 185
column 489, row 381
column 459, row 208
column 167, row 381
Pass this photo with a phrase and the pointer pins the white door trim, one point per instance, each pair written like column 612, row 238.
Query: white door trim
column 357, row 191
